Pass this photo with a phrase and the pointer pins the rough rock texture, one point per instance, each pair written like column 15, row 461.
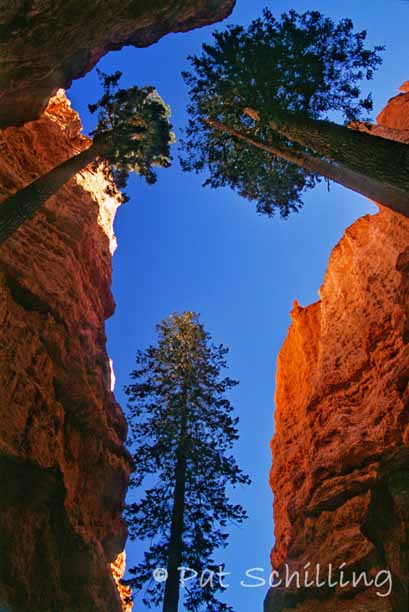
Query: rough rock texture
column 45, row 44
column 340, row 470
column 396, row 113
column 118, row 568
column 63, row 467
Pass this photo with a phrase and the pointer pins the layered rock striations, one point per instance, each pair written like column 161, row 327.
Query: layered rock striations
column 340, row 471
column 45, row 44
column 63, row 466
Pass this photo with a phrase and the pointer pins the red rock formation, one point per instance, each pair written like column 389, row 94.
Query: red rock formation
column 63, row 467
column 46, row 44
column 340, row 471
column 396, row 113
column 118, row 568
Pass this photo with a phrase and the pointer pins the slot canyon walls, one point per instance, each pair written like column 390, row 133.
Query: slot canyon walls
column 63, row 467
column 46, row 44
column 340, row 471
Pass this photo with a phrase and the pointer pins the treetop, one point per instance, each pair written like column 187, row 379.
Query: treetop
column 304, row 63
column 134, row 128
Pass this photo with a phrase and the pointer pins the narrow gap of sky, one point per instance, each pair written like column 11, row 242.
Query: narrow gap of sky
column 182, row 247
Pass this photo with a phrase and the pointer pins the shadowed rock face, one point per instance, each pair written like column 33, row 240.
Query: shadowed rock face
column 63, row 466
column 45, row 44
column 340, row 471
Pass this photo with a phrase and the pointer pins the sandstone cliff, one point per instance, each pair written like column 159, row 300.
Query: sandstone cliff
column 45, row 44
column 63, row 467
column 340, row 471
column 118, row 569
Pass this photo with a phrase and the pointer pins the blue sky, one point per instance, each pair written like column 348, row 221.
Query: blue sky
column 182, row 247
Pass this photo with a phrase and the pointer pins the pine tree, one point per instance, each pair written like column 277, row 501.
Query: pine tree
column 182, row 432
column 260, row 102
column 133, row 134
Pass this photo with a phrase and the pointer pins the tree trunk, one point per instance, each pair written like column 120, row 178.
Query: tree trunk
column 23, row 205
column 385, row 160
column 392, row 197
column 172, row 586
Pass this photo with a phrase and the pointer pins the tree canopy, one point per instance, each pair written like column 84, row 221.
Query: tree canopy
column 304, row 63
column 133, row 128
column 133, row 134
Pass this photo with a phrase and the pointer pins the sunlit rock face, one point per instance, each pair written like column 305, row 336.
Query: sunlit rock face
column 340, row 471
column 118, row 568
column 63, row 466
column 45, row 44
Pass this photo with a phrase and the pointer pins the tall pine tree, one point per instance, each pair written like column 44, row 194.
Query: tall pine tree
column 182, row 433
column 133, row 134
column 261, row 98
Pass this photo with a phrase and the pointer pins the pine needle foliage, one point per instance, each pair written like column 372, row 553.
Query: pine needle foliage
column 304, row 63
column 182, row 434
column 134, row 129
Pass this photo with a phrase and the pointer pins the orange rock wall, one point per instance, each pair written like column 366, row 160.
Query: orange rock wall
column 45, row 44
column 63, row 467
column 118, row 568
column 340, row 473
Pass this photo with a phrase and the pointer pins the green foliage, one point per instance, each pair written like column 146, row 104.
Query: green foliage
column 303, row 63
column 180, row 378
column 133, row 129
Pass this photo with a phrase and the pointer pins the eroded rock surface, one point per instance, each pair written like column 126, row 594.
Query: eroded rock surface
column 45, row 44
column 118, row 568
column 63, row 467
column 340, row 471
